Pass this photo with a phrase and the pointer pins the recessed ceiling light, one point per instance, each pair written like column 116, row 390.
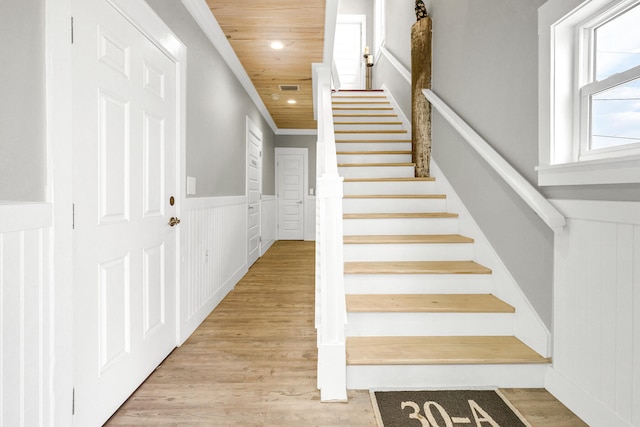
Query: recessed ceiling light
column 275, row 96
column 277, row 45
column 291, row 101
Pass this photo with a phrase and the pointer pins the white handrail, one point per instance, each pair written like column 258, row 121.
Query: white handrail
column 330, row 294
column 541, row 206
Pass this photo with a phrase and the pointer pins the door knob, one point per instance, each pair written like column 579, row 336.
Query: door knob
column 174, row 221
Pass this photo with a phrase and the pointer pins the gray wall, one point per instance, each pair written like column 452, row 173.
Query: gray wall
column 400, row 16
column 22, row 101
column 302, row 141
column 217, row 107
column 485, row 68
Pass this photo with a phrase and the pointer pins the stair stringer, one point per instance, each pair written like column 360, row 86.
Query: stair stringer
column 528, row 326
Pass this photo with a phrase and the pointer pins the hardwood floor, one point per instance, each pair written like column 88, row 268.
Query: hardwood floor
column 253, row 362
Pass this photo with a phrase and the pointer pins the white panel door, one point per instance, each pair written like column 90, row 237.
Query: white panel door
column 348, row 51
column 254, row 188
column 124, row 110
column 290, row 171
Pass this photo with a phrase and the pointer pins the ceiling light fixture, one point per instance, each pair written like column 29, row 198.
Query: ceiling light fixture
column 277, row 45
column 291, row 101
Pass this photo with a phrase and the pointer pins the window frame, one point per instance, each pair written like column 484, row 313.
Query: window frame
column 564, row 29
column 589, row 86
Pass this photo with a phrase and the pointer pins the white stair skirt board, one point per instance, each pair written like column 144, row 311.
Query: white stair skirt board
column 432, row 324
column 408, row 252
column 418, row 283
column 393, row 205
column 386, row 226
column 362, row 377
column 399, row 157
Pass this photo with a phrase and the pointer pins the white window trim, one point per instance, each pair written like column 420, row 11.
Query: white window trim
column 559, row 123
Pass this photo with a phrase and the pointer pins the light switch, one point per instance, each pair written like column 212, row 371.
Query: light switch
column 191, row 185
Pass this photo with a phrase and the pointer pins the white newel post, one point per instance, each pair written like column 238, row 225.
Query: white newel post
column 330, row 295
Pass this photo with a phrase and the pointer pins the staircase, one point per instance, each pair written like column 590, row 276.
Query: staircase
column 420, row 310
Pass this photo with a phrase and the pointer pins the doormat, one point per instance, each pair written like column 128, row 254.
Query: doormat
column 440, row 408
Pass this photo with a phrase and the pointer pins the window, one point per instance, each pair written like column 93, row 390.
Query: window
column 610, row 84
column 589, row 92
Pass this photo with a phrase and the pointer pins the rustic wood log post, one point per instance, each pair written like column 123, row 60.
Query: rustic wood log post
column 421, row 109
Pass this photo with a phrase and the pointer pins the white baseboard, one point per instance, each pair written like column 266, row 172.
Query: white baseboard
column 590, row 409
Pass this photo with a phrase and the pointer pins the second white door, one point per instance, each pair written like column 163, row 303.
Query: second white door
column 290, row 168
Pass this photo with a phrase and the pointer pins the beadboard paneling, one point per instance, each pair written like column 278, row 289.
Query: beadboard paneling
column 269, row 222
column 214, row 255
column 596, row 362
column 25, row 315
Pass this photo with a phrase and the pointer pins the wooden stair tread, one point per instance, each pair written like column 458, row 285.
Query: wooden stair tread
column 446, row 350
column 367, row 123
column 363, row 108
column 395, row 196
column 365, row 115
column 426, row 303
column 370, row 131
column 407, row 215
column 409, row 238
column 360, row 102
column 415, row 267
column 368, row 141
column 358, row 165
column 358, row 96
column 350, row 153
column 407, row 179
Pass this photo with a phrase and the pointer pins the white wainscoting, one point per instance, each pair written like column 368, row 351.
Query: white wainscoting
column 269, row 222
column 214, row 255
column 26, row 315
column 310, row 218
column 596, row 360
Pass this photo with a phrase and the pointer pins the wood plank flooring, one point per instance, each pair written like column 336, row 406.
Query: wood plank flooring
column 253, row 362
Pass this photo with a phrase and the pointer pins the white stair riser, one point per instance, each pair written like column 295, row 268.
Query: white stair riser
column 441, row 376
column 418, row 283
column 393, row 205
column 408, row 252
column 391, row 226
column 370, row 117
column 359, row 96
column 361, row 111
column 389, row 187
column 368, row 126
column 372, row 136
column 430, row 324
column 376, row 171
column 378, row 146
column 374, row 158
column 366, row 105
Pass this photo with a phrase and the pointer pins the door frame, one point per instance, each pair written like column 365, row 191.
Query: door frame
column 283, row 151
column 60, row 183
column 251, row 127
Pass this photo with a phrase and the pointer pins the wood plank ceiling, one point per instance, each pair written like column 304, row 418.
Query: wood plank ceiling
column 251, row 27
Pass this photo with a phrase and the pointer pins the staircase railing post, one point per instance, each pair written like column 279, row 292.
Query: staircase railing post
column 330, row 294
